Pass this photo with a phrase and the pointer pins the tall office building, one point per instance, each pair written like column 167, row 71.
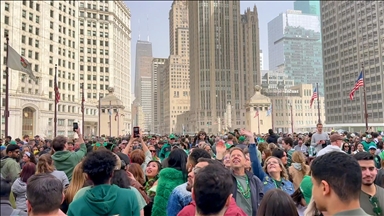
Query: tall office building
column 353, row 34
column 175, row 76
column 294, row 43
column 105, row 56
column 48, row 33
column 157, row 65
column 224, row 62
column 143, row 80
column 261, row 60
column 308, row 7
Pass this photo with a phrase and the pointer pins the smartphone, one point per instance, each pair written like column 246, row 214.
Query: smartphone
column 75, row 126
column 136, row 132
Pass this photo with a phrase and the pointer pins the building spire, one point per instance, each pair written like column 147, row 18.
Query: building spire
column 147, row 29
column 139, row 29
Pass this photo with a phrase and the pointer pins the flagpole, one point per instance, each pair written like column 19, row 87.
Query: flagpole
column 365, row 99
column 55, row 112
column 258, row 120
column 110, row 119
column 118, row 121
column 318, row 101
column 273, row 124
column 6, row 105
column 82, row 108
column 99, row 116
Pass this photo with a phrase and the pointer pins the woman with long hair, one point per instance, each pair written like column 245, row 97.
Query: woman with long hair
column 45, row 165
column 346, row 148
column 175, row 174
column 137, row 172
column 19, row 187
column 79, row 180
column 298, row 168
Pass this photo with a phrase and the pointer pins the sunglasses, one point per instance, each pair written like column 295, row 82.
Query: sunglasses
column 153, row 151
column 376, row 208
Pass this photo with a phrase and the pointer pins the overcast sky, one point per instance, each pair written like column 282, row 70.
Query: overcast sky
column 151, row 19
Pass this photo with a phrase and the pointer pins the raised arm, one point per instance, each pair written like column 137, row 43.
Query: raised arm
column 255, row 164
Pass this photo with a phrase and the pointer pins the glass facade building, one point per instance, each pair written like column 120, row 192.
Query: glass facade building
column 308, row 7
column 294, row 44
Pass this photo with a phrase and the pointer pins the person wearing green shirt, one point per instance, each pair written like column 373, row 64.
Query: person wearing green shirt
column 368, row 142
column 288, row 147
column 104, row 198
column 167, row 147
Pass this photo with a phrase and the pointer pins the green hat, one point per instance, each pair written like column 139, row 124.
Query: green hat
column 171, row 136
column 241, row 138
column 306, row 188
column 13, row 142
column 227, row 145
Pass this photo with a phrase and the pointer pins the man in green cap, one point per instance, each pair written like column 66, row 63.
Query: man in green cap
column 167, row 147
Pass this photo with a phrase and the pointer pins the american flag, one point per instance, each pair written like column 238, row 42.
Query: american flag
column 57, row 93
column 314, row 96
column 257, row 113
column 359, row 82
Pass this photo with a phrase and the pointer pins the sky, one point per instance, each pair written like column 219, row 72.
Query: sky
column 150, row 18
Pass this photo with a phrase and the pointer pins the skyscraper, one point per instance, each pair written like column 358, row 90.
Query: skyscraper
column 105, row 54
column 353, row 34
column 143, row 80
column 81, row 38
column 294, row 44
column 224, row 61
column 308, row 7
column 175, row 80
column 157, row 65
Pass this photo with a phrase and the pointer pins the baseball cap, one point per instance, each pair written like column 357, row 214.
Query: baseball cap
column 306, row 188
column 241, row 138
column 13, row 142
column 172, row 136
column 336, row 137
column 372, row 147
column 369, row 136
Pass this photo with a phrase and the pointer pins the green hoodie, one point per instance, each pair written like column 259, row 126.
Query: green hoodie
column 106, row 200
column 66, row 161
column 10, row 169
column 165, row 151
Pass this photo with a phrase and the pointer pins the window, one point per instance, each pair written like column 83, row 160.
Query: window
column 24, row 14
column 37, row 43
column 6, row 6
column 22, row 52
column 37, row 7
column 29, row 53
column 23, row 26
column 30, row 29
column 51, row 25
column 23, row 39
column 30, row 40
column 31, row 4
column 37, row 19
column 37, row 31
column 30, row 16
column 6, row 20
column 37, row 68
column 36, row 55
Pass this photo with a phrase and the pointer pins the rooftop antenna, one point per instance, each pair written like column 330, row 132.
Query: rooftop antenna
column 147, row 29
column 139, row 29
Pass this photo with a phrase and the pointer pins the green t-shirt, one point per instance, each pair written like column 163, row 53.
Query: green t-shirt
column 289, row 155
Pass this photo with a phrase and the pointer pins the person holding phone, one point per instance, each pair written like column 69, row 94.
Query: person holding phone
column 65, row 160
column 319, row 138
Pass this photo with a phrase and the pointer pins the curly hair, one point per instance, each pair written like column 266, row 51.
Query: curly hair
column 99, row 165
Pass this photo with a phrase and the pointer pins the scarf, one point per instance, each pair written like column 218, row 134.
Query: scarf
column 148, row 185
column 297, row 166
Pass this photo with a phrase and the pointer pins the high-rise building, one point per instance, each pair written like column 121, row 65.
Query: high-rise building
column 143, row 80
column 82, row 38
column 175, row 84
column 308, row 7
column 224, row 62
column 294, row 42
column 261, row 60
column 105, row 56
column 353, row 35
column 157, row 65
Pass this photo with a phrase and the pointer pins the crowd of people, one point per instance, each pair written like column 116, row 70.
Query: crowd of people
column 236, row 174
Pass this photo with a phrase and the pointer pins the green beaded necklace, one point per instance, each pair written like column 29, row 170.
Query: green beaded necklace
column 246, row 194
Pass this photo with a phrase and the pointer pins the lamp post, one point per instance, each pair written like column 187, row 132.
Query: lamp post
column 290, row 104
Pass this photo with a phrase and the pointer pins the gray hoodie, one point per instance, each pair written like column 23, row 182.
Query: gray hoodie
column 19, row 188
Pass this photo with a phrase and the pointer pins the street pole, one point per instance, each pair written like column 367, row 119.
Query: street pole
column 318, row 101
column 55, row 112
column 110, row 119
column 365, row 99
column 82, row 108
column 291, row 117
column 6, row 105
column 99, row 116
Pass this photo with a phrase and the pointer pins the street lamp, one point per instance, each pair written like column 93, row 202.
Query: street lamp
column 291, row 107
